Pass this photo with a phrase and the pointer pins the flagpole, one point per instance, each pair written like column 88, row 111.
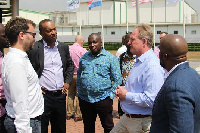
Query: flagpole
column 154, row 26
column 137, row 12
column 102, row 23
column 126, row 17
column 80, row 16
column 184, row 18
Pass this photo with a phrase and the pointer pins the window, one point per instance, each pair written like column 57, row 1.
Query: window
column 158, row 32
column 193, row 32
column 3, row 19
column 112, row 32
column 4, row 3
column 175, row 32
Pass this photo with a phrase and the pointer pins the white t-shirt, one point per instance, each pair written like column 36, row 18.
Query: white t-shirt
column 121, row 50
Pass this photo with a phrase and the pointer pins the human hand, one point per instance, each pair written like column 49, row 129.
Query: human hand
column 120, row 92
column 65, row 88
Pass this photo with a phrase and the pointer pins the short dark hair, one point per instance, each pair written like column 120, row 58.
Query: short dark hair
column 41, row 22
column 96, row 34
column 163, row 32
column 15, row 26
column 123, row 40
column 127, row 37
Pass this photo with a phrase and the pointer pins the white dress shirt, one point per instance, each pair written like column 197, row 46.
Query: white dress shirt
column 22, row 89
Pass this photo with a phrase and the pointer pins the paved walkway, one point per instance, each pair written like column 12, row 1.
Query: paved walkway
column 77, row 127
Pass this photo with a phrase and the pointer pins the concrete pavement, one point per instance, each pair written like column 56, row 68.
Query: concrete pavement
column 77, row 127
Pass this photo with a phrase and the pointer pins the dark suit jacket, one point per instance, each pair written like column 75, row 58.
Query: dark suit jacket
column 36, row 56
column 177, row 105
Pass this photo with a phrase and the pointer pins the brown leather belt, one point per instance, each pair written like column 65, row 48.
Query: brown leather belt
column 136, row 115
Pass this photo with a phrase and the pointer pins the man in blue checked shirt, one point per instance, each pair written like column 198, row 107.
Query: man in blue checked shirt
column 97, row 78
column 142, row 85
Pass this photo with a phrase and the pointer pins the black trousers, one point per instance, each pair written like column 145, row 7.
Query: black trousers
column 89, row 113
column 55, row 112
column 120, row 112
column 2, row 127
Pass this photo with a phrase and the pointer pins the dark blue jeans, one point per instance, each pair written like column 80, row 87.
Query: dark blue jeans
column 34, row 123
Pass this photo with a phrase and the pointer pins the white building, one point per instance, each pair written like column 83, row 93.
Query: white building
column 118, row 17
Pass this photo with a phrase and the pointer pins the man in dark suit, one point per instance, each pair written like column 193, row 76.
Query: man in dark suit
column 176, row 108
column 54, row 66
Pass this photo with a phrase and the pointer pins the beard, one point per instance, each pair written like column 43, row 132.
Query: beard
column 28, row 46
column 162, row 63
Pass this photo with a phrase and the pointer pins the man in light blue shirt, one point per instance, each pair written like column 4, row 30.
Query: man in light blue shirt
column 97, row 78
column 142, row 85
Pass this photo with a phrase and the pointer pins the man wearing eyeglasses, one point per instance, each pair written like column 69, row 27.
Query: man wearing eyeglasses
column 25, row 103
column 55, row 68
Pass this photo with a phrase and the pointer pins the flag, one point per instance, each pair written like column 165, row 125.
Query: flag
column 94, row 3
column 72, row 4
column 140, row 2
column 172, row 1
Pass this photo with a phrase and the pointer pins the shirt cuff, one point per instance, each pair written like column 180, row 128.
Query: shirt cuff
column 129, row 97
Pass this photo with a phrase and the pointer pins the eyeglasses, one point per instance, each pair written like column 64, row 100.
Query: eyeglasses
column 32, row 33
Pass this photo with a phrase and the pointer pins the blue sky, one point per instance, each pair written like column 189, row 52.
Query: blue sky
column 60, row 5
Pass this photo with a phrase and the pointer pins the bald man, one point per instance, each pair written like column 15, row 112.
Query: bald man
column 177, row 105
column 76, row 52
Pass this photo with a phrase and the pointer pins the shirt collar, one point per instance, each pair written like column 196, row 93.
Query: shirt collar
column 18, row 51
column 103, row 52
column 144, row 56
column 174, row 68
column 45, row 44
column 76, row 44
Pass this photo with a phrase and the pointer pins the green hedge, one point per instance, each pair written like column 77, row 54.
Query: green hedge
column 107, row 46
column 117, row 45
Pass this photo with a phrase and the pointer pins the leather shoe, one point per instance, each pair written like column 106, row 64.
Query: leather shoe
column 78, row 119
column 69, row 117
